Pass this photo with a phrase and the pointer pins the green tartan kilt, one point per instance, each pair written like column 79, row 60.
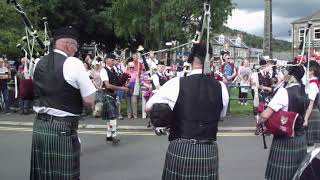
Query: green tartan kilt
column 191, row 162
column 109, row 108
column 313, row 132
column 55, row 153
column 285, row 156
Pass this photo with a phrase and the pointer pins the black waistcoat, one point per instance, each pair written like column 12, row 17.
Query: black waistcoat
column 51, row 90
column 112, row 79
column 297, row 103
column 162, row 81
column 198, row 107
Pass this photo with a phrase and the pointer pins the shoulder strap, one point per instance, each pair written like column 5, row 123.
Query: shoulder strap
column 315, row 81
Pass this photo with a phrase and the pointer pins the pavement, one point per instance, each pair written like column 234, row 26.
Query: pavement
column 228, row 123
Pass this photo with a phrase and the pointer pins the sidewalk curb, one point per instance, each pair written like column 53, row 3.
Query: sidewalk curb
column 121, row 127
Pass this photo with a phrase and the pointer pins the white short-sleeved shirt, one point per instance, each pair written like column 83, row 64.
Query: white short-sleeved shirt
column 280, row 100
column 75, row 74
column 169, row 92
column 312, row 90
column 155, row 79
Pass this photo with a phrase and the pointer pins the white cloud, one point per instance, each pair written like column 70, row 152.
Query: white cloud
column 250, row 22
column 253, row 22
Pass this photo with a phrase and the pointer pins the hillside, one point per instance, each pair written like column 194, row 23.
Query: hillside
column 257, row 41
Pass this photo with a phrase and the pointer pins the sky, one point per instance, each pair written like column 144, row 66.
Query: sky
column 248, row 15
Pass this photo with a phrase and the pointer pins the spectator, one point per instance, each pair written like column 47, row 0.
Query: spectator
column 243, row 70
column 244, row 90
column 132, row 100
column 4, row 77
column 25, row 87
column 146, row 91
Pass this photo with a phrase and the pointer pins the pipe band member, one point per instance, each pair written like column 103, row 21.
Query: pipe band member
column 312, row 117
column 108, row 95
column 197, row 103
column 61, row 88
column 286, row 153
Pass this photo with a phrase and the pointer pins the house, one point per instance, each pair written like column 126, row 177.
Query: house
column 237, row 48
column 298, row 28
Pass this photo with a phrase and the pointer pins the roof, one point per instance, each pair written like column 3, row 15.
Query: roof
column 229, row 41
column 315, row 16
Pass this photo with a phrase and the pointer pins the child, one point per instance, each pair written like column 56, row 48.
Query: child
column 244, row 90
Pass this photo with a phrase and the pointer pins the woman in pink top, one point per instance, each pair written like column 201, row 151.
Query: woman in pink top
column 132, row 100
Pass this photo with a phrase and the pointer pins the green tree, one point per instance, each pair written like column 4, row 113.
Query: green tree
column 158, row 21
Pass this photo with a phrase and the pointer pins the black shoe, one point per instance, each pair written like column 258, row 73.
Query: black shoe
column 115, row 140
column 108, row 138
column 21, row 111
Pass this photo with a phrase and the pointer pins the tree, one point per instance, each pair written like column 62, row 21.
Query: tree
column 158, row 21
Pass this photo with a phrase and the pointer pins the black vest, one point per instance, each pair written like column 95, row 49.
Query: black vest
column 51, row 90
column 113, row 80
column 297, row 103
column 162, row 81
column 198, row 107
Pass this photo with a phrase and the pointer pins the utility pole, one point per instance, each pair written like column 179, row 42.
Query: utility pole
column 267, row 39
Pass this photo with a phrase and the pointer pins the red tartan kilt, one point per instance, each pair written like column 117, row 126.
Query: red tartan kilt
column 25, row 88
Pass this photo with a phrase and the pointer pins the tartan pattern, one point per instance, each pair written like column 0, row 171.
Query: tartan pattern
column 109, row 109
column 313, row 132
column 285, row 156
column 55, row 156
column 191, row 161
column 99, row 96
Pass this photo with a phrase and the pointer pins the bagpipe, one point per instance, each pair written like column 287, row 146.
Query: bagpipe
column 27, row 46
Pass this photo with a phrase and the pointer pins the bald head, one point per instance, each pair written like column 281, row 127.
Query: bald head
column 67, row 45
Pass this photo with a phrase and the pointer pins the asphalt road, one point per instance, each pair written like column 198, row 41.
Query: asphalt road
column 139, row 156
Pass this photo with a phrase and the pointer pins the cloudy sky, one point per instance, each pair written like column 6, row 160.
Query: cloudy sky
column 248, row 15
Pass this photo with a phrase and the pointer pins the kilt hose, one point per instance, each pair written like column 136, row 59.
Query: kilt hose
column 55, row 153
column 313, row 132
column 285, row 157
column 191, row 162
column 109, row 108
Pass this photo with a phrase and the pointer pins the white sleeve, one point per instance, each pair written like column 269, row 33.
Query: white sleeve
column 75, row 74
column 167, row 94
column 104, row 75
column 313, row 91
column 280, row 100
column 225, row 99
column 155, row 80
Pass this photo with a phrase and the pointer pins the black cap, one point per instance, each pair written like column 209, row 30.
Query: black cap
column 199, row 51
column 262, row 62
column 65, row 32
column 110, row 56
column 296, row 71
column 222, row 53
column 161, row 63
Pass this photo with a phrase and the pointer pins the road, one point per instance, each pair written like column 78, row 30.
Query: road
column 139, row 156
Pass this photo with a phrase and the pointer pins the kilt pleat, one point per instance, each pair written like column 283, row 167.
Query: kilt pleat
column 313, row 132
column 285, row 157
column 191, row 162
column 55, row 156
column 109, row 108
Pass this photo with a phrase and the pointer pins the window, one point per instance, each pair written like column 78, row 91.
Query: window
column 317, row 33
column 301, row 34
column 221, row 39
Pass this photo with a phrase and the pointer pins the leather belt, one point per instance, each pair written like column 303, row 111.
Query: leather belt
column 196, row 141
column 48, row 117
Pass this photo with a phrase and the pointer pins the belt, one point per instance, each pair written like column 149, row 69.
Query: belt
column 196, row 141
column 48, row 117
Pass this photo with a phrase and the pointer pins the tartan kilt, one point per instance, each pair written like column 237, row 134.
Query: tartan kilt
column 313, row 132
column 109, row 108
column 285, row 156
column 191, row 161
column 99, row 96
column 55, row 155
